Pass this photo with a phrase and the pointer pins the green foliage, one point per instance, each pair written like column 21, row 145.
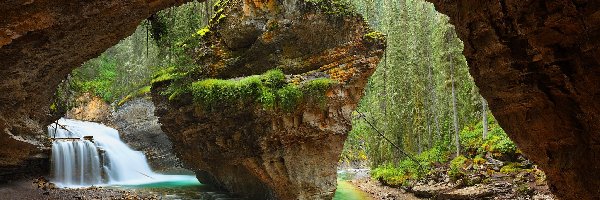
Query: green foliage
column 269, row 89
column 409, row 96
column 318, row 86
column 289, row 96
column 139, row 93
column 457, row 166
column 408, row 170
column 497, row 142
column 167, row 74
column 511, row 168
column 97, row 76
column 202, row 32
column 375, row 35
column 334, row 7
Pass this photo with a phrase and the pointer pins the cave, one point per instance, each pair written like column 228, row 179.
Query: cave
column 535, row 62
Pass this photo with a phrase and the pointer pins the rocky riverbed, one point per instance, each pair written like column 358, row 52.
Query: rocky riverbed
column 41, row 189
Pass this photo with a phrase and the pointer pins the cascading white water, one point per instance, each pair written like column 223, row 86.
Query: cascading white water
column 104, row 160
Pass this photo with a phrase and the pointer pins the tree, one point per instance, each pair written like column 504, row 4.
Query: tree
column 485, row 117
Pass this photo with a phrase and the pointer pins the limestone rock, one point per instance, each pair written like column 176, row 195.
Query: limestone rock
column 139, row 128
column 256, row 149
column 40, row 43
column 90, row 108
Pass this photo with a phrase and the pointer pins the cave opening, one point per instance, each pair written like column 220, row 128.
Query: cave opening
column 542, row 94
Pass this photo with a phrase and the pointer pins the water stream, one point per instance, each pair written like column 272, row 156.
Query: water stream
column 86, row 154
column 90, row 154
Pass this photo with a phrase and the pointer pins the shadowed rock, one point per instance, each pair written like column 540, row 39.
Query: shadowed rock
column 40, row 43
column 537, row 64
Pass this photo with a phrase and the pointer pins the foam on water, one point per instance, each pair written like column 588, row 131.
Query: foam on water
column 105, row 160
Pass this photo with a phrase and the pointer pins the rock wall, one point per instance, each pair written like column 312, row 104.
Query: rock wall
column 40, row 43
column 244, row 146
column 139, row 128
column 90, row 108
column 537, row 64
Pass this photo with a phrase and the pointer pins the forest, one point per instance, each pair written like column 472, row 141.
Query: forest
column 421, row 117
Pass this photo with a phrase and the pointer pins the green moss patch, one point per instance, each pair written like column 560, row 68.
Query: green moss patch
column 374, row 36
column 167, row 74
column 457, row 166
column 138, row 93
column 334, row 7
column 269, row 90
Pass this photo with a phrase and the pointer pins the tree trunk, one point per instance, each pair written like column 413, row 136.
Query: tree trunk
column 484, row 115
column 454, row 107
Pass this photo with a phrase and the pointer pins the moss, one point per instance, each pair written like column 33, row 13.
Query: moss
column 510, row 168
column 273, row 79
column 219, row 5
column 318, row 86
column 290, row 96
column 269, row 90
column 334, row 7
column 138, row 93
column 374, row 35
column 479, row 160
column 202, row 32
column 219, row 9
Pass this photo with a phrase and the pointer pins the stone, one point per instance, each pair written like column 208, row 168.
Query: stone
column 40, row 43
column 264, row 152
column 536, row 63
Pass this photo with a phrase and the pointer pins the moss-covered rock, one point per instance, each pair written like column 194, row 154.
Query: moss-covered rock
column 266, row 105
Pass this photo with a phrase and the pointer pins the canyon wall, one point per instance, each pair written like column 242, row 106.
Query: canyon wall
column 537, row 64
column 40, row 43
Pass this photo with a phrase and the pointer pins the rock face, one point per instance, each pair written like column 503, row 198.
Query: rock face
column 40, row 43
column 139, row 128
column 537, row 64
column 90, row 108
column 237, row 140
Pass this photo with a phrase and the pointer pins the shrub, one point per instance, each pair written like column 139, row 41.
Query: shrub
column 457, row 167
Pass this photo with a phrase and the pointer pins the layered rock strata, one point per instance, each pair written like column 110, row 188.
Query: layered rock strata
column 277, row 135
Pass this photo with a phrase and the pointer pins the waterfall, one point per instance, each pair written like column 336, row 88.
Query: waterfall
column 79, row 160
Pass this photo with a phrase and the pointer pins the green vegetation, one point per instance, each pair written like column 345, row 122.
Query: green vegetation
column 375, row 35
column 334, row 7
column 126, row 69
column 497, row 142
column 407, row 170
column 269, row 89
column 139, row 93
column 511, row 168
column 457, row 167
column 497, row 145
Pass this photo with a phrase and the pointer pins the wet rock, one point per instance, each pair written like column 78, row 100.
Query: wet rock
column 139, row 128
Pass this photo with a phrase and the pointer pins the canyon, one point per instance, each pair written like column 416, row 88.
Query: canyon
column 535, row 62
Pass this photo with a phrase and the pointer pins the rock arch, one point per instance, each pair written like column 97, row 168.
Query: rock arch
column 536, row 62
